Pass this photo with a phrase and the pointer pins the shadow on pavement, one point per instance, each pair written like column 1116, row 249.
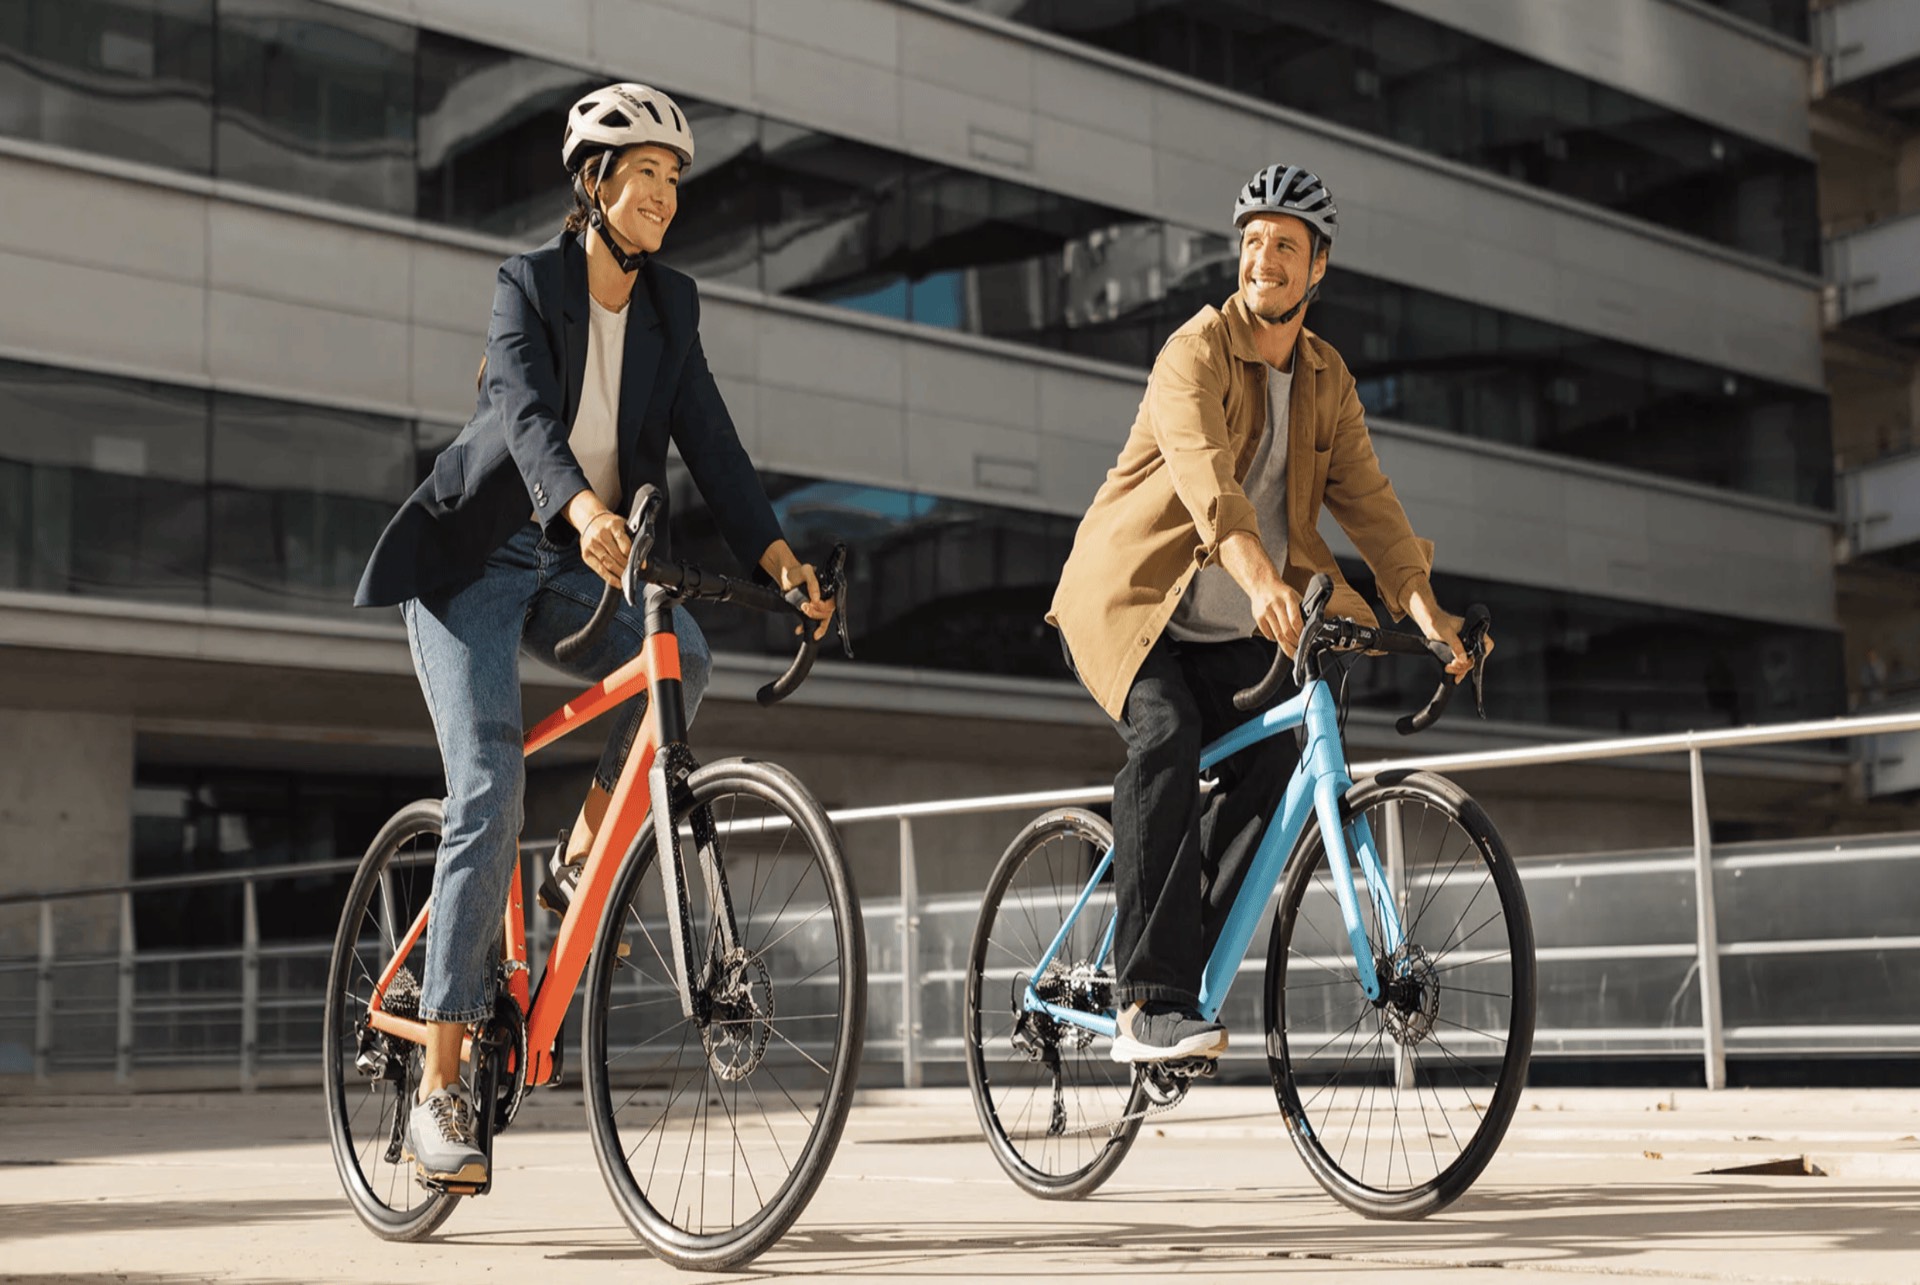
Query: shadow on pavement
column 90, row 1217
column 1570, row 1227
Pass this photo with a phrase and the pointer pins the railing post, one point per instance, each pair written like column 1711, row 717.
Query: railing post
column 909, row 960
column 1708, row 930
column 43, row 1000
column 249, row 988
column 1405, row 1068
column 123, row 1027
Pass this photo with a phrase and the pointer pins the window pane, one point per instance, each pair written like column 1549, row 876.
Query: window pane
column 1375, row 67
column 126, row 78
column 716, row 234
column 300, row 495
column 833, row 220
column 107, row 483
column 490, row 129
column 317, row 100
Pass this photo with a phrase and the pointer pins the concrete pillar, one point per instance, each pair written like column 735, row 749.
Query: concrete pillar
column 66, row 819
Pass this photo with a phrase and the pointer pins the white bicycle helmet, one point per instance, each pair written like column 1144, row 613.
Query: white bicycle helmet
column 624, row 115
column 1289, row 189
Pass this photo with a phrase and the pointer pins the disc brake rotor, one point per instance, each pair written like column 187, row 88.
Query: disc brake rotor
column 737, row 1034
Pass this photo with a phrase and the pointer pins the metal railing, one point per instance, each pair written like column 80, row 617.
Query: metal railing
column 905, row 931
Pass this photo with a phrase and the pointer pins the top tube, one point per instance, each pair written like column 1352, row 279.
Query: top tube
column 1281, row 718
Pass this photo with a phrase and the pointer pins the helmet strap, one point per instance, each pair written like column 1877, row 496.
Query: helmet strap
column 1311, row 291
column 597, row 218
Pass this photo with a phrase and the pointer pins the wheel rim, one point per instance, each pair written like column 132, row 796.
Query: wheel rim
column 1050, row 1092
column 371, row 1077
column 1394, row 1097
column 718, row 1126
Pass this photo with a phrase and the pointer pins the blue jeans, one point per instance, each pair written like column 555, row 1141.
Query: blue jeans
column 466, row 646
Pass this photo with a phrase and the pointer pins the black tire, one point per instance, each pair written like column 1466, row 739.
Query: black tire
column 1439, row 1065
column 765, row 1055
column 388, row 891
column 1038, row 880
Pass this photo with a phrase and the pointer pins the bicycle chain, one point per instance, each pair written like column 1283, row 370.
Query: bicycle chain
column 1121, row 1122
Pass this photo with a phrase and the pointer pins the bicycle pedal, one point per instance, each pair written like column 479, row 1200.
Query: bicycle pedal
column 457, row 1188
column 1193, row 1068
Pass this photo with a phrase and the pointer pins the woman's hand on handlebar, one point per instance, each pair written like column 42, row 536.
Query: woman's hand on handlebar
column 604, row 543
column 1444, row 627
column 790, row 573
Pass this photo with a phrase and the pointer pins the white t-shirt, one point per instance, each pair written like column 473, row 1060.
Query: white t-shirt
column 595, row 435
column 1216, row 608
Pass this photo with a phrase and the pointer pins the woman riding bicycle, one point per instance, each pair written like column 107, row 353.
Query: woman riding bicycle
column 593, row 363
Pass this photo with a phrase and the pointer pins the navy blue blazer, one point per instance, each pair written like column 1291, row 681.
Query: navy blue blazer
column 512, row 458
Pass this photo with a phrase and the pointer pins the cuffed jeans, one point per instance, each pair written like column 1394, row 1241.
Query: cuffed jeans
column 1179, row 860
column 466, row 646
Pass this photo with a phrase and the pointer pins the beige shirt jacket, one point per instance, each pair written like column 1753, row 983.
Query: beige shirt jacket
column 1176, row 493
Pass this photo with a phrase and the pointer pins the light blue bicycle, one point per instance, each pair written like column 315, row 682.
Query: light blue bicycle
column 1399, row 995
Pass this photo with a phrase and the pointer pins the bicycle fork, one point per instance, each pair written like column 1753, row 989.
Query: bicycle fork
column 1324, row 763
column 670, row 768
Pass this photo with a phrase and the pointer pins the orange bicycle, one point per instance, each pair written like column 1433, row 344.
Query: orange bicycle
column 725, row 1000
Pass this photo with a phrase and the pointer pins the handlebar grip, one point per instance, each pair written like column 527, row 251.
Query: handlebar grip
column 1262, row 693
column 1442, row 695
column 567, row 649
column 1312, row 609
column 782, row 687
column 640, row 529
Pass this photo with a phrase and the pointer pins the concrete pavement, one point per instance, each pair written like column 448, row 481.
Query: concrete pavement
column 1591, row 1185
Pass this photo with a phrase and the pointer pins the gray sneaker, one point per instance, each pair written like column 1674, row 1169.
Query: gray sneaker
column 440, row 1139
column 1165, row 1032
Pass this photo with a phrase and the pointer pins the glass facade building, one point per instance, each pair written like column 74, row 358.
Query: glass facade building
column 1375, row 67
column 236, row 501
column 330, row 103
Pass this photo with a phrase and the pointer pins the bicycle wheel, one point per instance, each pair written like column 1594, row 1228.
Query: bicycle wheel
column 371, row 1077
column 1058, row 1112
column 712, row 1136
column 1397, row 1107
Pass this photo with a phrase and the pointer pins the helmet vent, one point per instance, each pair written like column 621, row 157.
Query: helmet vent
column 616, row 119
column 654, row 112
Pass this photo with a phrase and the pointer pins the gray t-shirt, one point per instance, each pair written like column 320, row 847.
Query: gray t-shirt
column 1216, row 608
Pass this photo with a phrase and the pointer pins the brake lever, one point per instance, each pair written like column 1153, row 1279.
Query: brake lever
column 641, row 532
column 1474, row 635
column 834, row 587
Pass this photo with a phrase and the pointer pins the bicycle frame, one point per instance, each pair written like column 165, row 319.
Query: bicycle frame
column 1316, row 788
column 662, row 739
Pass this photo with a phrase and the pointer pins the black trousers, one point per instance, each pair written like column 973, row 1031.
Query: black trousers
column 1179, row 859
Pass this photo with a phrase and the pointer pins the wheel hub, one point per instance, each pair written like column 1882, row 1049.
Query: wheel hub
column 1410, row 1000
column 739, row 1024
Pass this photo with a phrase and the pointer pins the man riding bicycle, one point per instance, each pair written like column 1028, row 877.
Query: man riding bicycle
column 1190, row 565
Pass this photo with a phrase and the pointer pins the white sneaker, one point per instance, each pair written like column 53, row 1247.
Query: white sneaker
column 440, row 1139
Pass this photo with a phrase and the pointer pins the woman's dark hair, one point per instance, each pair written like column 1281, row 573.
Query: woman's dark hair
column 577, row 216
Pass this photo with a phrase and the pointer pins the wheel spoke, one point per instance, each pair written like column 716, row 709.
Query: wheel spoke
column 1387, row 1084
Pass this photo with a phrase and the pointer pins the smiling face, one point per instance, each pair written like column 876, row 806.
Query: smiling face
column 1275, row 262
column 642, row 195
